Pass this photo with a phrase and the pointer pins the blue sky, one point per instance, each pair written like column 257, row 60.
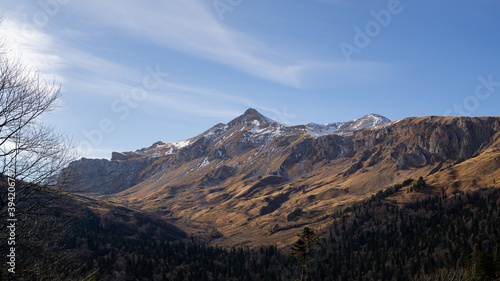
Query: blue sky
column 135, row 72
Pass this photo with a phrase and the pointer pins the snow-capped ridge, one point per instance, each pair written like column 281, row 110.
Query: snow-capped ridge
column 369, row 120
column 256, row 128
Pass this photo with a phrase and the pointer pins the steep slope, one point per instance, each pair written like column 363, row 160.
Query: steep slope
column 245, row 177
column 101, row 176
column 99, row 215
column 222, row 141
column 479, row 170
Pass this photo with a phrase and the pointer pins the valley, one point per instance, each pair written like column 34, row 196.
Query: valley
column 236, row 184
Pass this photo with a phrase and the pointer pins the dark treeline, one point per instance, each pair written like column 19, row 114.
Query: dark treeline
column 384, row 242
column 116, row 258
column 425, row 240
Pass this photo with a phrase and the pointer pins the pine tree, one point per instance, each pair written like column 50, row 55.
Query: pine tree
column 302, row 248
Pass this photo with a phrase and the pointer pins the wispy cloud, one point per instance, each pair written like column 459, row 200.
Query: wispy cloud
column 51, row 55
column 180, row 102
column 33, row 49
column 193, row 27
column 98, row 77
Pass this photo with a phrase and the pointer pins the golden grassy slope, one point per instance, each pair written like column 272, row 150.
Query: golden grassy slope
column 321, row 178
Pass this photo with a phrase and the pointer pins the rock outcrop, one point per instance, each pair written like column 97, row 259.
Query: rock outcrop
column 102, row 177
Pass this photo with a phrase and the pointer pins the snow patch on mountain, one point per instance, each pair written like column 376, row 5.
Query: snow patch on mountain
column 181, row 144
column 258, row 129
column 204, row 163
column 216, row 130
column 320, row 130
column 366, row 121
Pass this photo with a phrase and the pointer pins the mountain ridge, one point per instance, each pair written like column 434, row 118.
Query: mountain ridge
column 256, row 118
column 244, row 179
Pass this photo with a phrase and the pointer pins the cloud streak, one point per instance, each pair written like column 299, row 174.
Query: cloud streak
column 33, row 49
column 192, row 27
column 93, row 76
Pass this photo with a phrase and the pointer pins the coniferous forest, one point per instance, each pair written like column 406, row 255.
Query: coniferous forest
column 439, row 238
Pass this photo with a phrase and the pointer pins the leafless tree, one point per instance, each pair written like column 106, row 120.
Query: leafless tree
column 32, row 155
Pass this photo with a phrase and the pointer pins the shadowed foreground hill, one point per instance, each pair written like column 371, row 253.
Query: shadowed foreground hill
column 56, row 247
column 454, row 236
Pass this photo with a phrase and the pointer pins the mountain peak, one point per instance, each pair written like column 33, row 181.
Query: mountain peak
column 376, row 119
column 375, row 115
column 250, row 115
column 251, row 111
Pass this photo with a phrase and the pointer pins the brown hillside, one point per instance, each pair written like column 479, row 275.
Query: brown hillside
column 237, row 182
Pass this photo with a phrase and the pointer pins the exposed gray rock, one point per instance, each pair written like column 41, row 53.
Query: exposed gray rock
column 102, row 177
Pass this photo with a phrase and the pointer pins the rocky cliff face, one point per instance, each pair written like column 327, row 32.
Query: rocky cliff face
column 248, row 174
column 418, row 142
column 101, row 176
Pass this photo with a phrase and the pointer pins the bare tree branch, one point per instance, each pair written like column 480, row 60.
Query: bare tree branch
column 32, row 154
